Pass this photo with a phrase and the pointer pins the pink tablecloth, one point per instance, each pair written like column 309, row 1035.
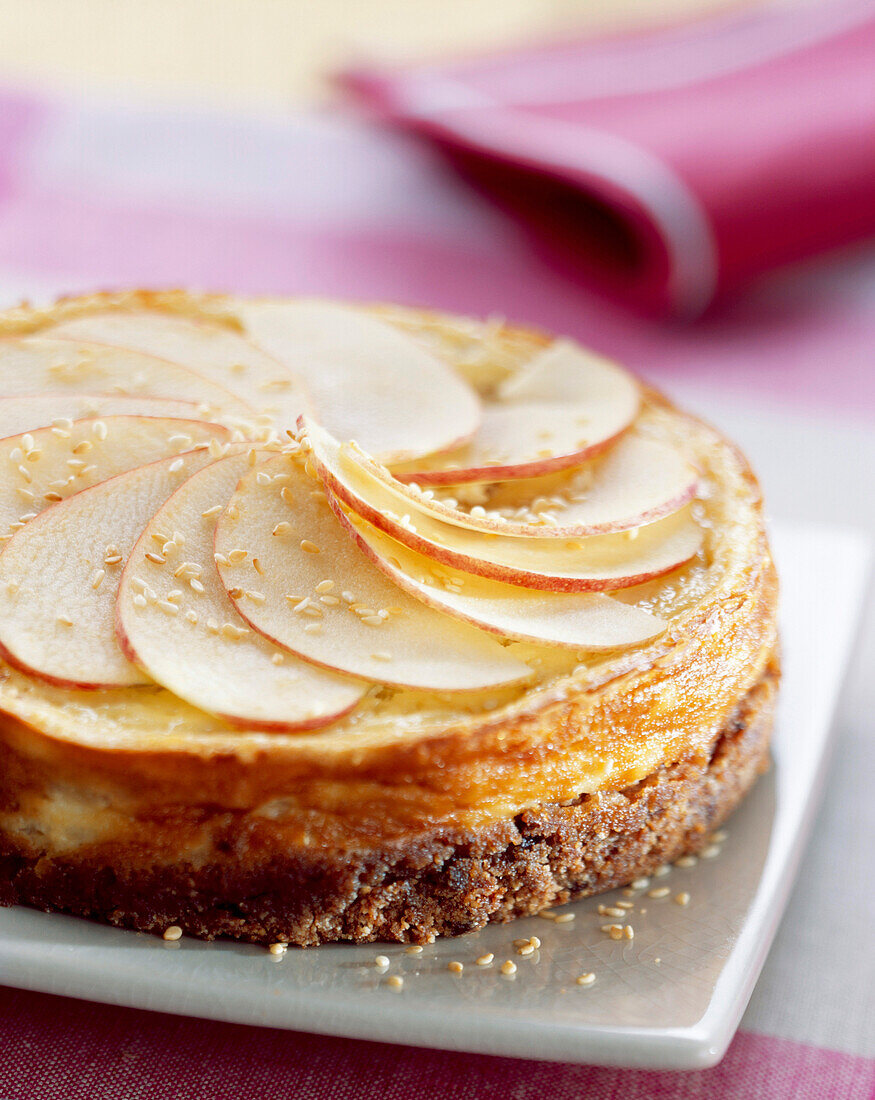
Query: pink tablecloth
column 92, row 195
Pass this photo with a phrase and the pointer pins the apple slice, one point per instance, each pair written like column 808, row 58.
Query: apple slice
column 636, row 482
column 59, row 577
column 205, row 653
column 29, row 411
column 213, row 350
column 296, row 577
column 42, row 467
column 565, row 406
column 369, row 381
column 32, row 365
column 579, row 620
column 553, row 563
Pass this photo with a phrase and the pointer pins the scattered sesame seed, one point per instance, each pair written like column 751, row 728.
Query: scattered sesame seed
column 313, row 628
column 612, row 911
column 262, row 478
column 615, row 932
column 64, row 620
column 382, row 961
column 485, row 960
column 220, row 559
column 99, row 429
column 168, row 608
column 236, row 556
column 258, row 567
column 155, row 558
column 640, row 883
column 657, row 960
column 526, row 949
column 97, row 578
column 256, row 597
column 80, row 448
column 682, row 898
column 309, row 547
column 380, row 655
column 508, row 967
column 278, row 948
column 324, row 586
column 585, row 979
column 287, row 495
column 455, row 967
column 196, row 585
column 52, row 497
column 174, row 932
column 686, row 861
column 282, row 529
column 661, row 871
column 719, row 836
column 413, row 949
column 330, row 601
column 210, row 512
column 564, row 918
column 175, row 465
column 395, row 981
column 535, row 942
column 711, row 852
column 625, row 905
column 629, row 932
column 659, row 892
column 277, row 658
column 191, row 616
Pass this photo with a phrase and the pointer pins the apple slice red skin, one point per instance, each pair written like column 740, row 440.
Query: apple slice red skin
column 480, row 567
column 233, row 720
column 444, row 513
column 374, row 556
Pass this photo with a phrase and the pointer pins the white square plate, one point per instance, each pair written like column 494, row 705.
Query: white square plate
column 670, row 998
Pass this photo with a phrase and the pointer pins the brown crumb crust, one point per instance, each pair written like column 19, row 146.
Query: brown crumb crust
column 440, row 884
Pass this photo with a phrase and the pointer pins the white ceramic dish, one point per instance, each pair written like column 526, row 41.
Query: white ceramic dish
column 671, row 997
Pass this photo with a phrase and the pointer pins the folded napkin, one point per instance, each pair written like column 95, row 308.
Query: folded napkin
column 671, row 165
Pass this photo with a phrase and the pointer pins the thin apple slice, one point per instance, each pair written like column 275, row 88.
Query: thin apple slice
column 552, row 563
column 29, row 411
column 313, row 592
column 37, row 364
column 369, row 381
column 205, row 653
column 636, row 482
column 566, row 406
column 213, row 350
column 40, row 468
column 59, row 577
column 579, row 620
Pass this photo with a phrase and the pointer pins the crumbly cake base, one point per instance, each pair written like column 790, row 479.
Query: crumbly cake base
column 441, row 884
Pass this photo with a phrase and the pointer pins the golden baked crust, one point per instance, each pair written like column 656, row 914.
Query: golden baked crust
column 136, row 782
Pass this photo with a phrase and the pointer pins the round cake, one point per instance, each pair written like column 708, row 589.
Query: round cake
column 327, row 622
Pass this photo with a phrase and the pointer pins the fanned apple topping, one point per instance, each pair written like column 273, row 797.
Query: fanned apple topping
column 279, row 511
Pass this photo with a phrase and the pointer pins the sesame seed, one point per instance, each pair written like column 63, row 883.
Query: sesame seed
column 455, row 967
column 196, row 585
column 526, row 949
column 657, row 960
column 611, row 911
column 381, row 656
column 64, row 620
column 615, row 931
column 640, row 883
column 508, row 967
column 625, row 905
column 97, row 578
column 313, row 628
column 256, row 597
column 277, row 658
column 175, row 595
column 564, row 918
column 347, row 597
column 210, row 512
column 175, row 465
column 220, row 559
column 80, row 448
column 485, row 960
column 282, row 529
column 413, row 949
column 547, row 914
column 324, row 586
column 330, row 601
column 371, row 620
column 191, row 616
column 382, row 961
column 278, row 948
column 258, row 567
column 62, row 422
column 212, row 626
column 585, row 979
column 629, row 932
column 686, row 861
column 711, row 852
column 262, row 478
column 719, row 836
column 155, row 558
column 99, row 429
column 683, row 898
column 168, row 608
column 174, row 932
column 395, row 981
column 236, row 556
column 287, row 495
column 25, row 473
column 659, row 892
column 662, row 871
column 309, row 547
column 52, row 497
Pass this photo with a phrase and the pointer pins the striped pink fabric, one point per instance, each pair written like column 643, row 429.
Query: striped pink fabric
column 53, row 1047
column 672, row 165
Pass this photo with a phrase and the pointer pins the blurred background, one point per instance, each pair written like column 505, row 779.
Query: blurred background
column 687, row 185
